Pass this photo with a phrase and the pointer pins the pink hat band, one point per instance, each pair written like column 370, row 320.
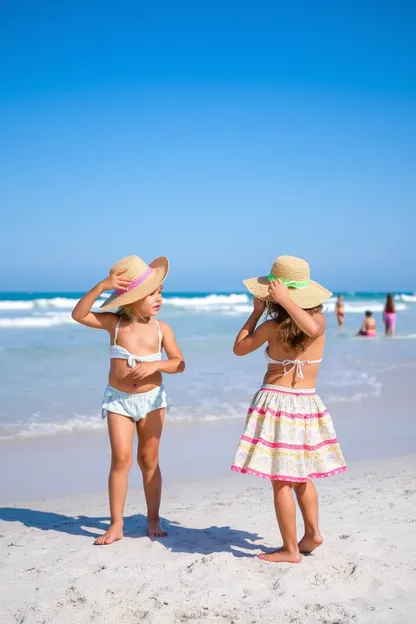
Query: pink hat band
column 139, row 280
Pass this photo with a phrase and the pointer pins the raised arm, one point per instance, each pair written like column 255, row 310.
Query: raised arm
column 249, row 338
column 104, row 320
column 312, row 326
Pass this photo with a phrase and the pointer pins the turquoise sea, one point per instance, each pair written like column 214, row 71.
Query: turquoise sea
column 54, row 371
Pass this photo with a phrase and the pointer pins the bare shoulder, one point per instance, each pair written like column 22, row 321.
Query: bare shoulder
column 269, row 327
column 110, row 321
column 166, row 329
column 164, row 326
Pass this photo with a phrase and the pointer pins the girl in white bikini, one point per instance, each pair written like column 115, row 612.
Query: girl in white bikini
column 289, row 437
column 135, row 398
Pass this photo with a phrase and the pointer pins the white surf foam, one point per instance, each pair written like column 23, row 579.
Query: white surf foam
column 209, row 301
column 46, row 311
column 80, row 424
column 49, row 428
column 50, row 320
column 362, row 307
column 60, row 303
column 16, row 305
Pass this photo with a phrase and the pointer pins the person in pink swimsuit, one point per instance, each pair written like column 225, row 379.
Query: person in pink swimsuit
column 389, row 316
column 368, row 328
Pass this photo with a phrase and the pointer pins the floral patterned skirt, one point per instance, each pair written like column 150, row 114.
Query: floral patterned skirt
column 288, row 436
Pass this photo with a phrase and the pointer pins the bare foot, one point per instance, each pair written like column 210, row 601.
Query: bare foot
column 114, row 533
column 281, row 556
column 155, row 530
column 308, row 543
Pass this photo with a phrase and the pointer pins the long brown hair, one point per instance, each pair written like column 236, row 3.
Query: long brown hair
column 291, row 336
column 390, row 307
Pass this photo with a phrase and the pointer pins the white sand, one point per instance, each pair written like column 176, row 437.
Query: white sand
column 206, row 570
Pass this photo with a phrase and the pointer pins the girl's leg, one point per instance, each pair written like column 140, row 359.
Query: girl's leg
column 149, row 431
column 121, row 431
column 286, row 519
column 308, row 502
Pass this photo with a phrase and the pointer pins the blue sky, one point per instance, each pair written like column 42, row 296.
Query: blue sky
column 220, row 134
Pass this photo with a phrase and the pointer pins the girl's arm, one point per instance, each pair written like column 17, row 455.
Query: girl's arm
column 312, row 326
column 104, row 320
column 174, row 364
column 249, row 338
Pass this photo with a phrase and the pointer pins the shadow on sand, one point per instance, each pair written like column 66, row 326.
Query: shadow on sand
column 181, row 539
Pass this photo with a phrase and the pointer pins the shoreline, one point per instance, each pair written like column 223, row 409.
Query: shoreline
column 206, row 570
column 78, row 462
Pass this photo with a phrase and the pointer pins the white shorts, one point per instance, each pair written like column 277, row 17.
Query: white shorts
column 134, row 405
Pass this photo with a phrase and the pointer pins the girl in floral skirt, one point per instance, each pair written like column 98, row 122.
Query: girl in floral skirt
column 289, row 437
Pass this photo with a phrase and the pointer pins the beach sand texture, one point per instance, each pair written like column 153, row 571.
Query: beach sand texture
column 207, row 570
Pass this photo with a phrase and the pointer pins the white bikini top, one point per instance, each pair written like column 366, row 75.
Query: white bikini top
column 120, row 352
column 296, row 365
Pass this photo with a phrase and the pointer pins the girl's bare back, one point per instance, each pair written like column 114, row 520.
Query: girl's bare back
column 286, row 373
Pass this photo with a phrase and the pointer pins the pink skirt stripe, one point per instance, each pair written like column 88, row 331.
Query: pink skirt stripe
column 288, row 436
column 280, row 390
column 269, row 410
column 285, row 445
column 263, row 475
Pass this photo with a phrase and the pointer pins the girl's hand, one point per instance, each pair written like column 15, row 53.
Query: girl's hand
column 259, row 306
column 144, row 369
column 116, row 281
column 278, row 291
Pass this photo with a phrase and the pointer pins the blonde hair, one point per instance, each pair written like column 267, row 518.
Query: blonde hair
column 129, row 314
column 291, row 336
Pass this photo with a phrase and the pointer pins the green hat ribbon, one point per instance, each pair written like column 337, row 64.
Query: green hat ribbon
column 289, row 283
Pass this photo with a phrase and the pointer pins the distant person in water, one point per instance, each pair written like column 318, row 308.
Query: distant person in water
column 339, row 310
column 389, row 316
column 368, row 328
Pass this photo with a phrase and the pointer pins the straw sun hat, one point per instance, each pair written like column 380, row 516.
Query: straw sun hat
column 145, row 280
column 295, row 274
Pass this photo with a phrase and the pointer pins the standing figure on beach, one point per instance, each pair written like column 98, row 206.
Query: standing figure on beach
column 289, row 437
column 339, row 310
column 135, row 399
column 368, row 328
column 389, row 316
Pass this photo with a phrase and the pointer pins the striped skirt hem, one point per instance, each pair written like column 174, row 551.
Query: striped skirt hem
column 290, row 479
column 288, row 436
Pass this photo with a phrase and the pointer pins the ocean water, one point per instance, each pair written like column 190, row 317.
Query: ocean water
column 54, row 371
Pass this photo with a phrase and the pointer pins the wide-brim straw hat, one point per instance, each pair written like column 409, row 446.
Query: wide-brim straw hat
column 145, row 279
column 295, row 273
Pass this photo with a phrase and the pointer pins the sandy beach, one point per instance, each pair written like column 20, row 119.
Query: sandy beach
column 207, row 569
